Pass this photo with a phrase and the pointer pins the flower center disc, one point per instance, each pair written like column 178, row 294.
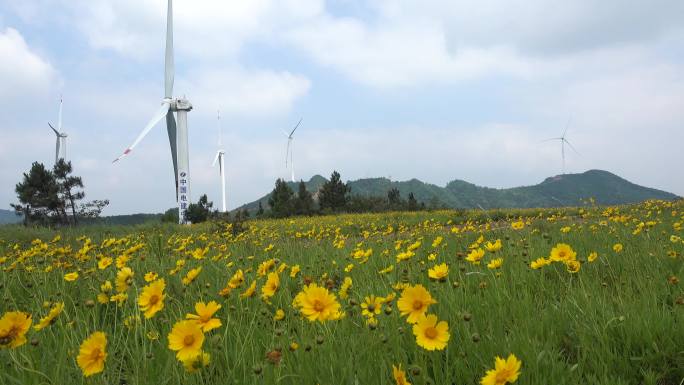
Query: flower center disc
column 318, row 306
column 431, row 332
column 417, row 305
column 154, row 299
column 189, row 340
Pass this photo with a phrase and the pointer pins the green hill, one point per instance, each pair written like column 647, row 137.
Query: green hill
column 561, row 190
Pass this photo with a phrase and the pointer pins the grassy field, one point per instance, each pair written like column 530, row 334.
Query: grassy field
column 603, row 306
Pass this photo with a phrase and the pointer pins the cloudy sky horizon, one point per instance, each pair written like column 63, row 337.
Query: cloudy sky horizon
column 435, row 90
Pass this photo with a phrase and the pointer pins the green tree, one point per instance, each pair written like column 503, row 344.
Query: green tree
column 394, row 199
column 38, row 195
column 334, row 194
column 67, row 184
column 260, row 211
column 412, row 202
column 199, row 212
column 304, row 203
column 93, row 209
column 170, row 216
column 281, row 199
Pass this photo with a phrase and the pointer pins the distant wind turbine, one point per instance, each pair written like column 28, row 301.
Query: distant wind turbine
column 221, row 163
column 60, row 147
column 563, row 142
column 289, row 151
column 178, row 135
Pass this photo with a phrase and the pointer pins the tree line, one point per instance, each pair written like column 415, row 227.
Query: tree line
column 334, row 196
column 51, row 196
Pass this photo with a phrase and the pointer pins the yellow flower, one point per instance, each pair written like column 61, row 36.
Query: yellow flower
column 475, row 256
column 592, row 256
column 572, row 266
column 562, row 253
column 104, row 262
column 151, row 299
column 279, row 315
column 371, row 306
column 518, row 225
column 493, row 247
column 191, row 275
column 265, row 267
column 539, row 263
column 204, row 315
column 505, row 371
column 344, row 288
column 124, row 279
column 399, row 376
column 200, row 361
column 186, row 339
column 317, row 304
column 294, row 270
column 495, row 263
column 439, row 272
column 71, row 277
column 92, row 354
column 617, row 247
column 271, row 286
column 414, row 302
column 437, row 241
column 119, row 298
column 250, row 290
column 431, row 334
column 13, row 328
column 50, row 318
column 151, row 276
column 235, row 281
column 565, row 229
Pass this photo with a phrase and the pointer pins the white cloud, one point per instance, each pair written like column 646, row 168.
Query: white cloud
column 24, row 75
column 237, row 91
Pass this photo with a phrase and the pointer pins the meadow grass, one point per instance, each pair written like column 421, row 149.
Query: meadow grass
column 618, row 320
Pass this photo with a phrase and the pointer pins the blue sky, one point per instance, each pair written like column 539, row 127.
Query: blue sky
column 436, row 90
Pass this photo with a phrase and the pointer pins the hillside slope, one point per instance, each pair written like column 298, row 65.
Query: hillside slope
column 561, row 190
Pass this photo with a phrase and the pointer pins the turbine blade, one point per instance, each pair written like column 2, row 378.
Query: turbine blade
column 216, row 158
column 59, row 119
column 571, row 146
column 547, row 140
column 566, row 127
column 53, row 129
column 295, row 129
column 155, row 119
column 171, row 130
column 168, row 62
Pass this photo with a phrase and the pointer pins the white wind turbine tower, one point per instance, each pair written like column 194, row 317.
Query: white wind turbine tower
column 60, row 147
column 289, row 151
column 563, row 142
column 178, row 133
column 221, row 163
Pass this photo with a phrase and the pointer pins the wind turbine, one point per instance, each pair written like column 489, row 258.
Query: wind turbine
column 178, row 132
column 60, row 147
column 220, row 160
column 289, row 152
column 563, row 142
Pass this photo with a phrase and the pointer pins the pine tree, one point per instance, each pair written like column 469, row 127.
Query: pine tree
column 281, row 199
column 38, row 196
column 394, row 198
column 304, row 202
column 260, row 211
column 412, row 202
column 199, row 212
column 334, row 194
column 67, row 184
